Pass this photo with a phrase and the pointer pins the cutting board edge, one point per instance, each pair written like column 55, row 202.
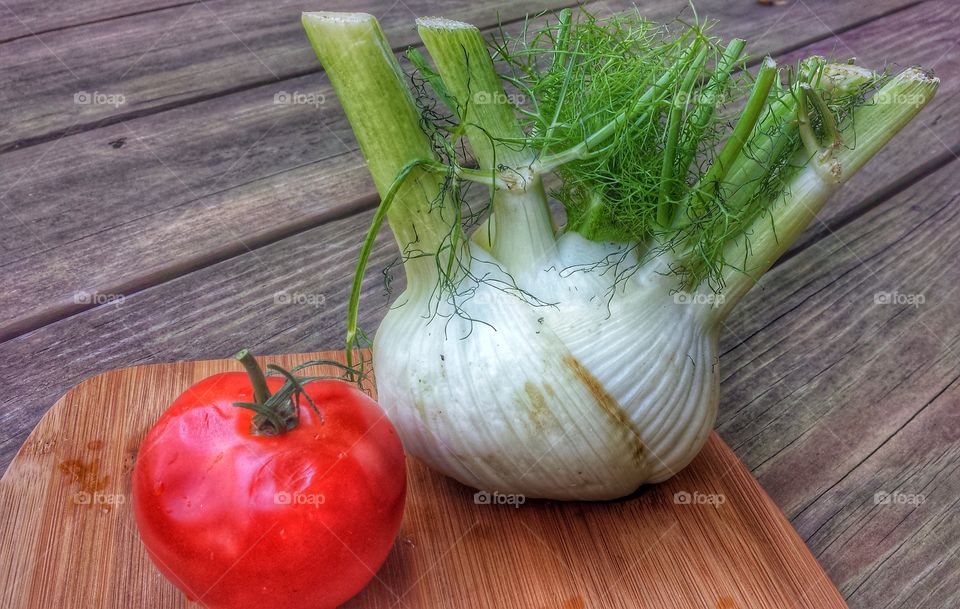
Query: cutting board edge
column 23, row 453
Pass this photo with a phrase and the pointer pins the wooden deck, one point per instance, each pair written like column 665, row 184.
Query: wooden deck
column 159, row 223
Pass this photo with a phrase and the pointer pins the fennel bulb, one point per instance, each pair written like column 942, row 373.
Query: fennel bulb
column 581, row 363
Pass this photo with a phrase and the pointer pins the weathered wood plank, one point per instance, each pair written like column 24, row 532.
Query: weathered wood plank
column 239, row 302
column 162, row 59
column 811, row 394
column 153, row 61
column 247, row 217
column 810, row 430
column 890, row 528
column 916, row 36
column 30, row 18
column 84, row 206
column 829, row 300
column 864, row 420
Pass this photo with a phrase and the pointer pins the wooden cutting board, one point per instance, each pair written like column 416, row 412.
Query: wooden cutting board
column 709, row 538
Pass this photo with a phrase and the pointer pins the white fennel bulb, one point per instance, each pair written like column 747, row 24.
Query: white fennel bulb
column 587, row 400
column 581, row 362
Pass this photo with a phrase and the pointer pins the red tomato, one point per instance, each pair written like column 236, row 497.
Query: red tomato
column 299, row 520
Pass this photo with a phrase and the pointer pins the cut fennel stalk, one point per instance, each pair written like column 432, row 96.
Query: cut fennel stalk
column 581, row 363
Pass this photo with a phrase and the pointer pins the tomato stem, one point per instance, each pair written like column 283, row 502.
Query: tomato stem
column 279, row 412
column 261, row 393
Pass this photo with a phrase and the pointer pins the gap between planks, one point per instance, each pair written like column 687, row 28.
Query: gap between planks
column 826, row 229
column 81, row 127
column 103, row 19
column 370, row 200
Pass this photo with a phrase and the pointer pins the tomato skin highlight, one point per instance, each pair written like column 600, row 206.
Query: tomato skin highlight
column 300, row 520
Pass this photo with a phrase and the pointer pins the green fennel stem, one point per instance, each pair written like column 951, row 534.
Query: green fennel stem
column 584, row 149
column 827, row 118
column 622, row 112
column 712, row 183
column 865, row 133
column 562, row 61
column 370, row 85
column 777, row 131
column 670, row 168
column 524, row 229
column 460, row 54
column 383, row 210
column 708, row 100
column 751, row 114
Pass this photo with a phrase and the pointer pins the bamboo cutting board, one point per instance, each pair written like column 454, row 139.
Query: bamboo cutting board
column 709, row 538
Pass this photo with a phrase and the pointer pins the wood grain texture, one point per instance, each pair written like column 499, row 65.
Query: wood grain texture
column 822, row 387
column 913, row 37
column 187, row 53
column 896, row 407
column 69, row 488
column 289, row 296
column 28, row 18
column 832, row 373
column 204, row 188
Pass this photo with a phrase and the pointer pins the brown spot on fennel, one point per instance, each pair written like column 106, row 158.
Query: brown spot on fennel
column 610, row 406
column 421, row 409
column 503, row 467
column 540, row 414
